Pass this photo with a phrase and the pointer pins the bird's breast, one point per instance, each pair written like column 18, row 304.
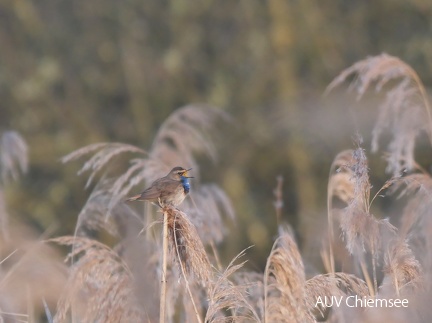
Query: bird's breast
column 185, row 184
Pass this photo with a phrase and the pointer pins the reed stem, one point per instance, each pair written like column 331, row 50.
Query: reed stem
column 164, row 269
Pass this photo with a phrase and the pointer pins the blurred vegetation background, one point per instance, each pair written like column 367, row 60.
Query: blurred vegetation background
column 78, row 72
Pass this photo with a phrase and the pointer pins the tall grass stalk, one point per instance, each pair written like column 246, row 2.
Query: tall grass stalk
column 164, row 268
column 183, row 271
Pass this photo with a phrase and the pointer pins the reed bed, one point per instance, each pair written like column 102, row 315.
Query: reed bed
column 163, row 265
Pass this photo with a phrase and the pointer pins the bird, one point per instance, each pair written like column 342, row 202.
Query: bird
column 168, row 190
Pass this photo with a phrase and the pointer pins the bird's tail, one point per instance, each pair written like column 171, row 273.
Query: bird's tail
column 133, row 198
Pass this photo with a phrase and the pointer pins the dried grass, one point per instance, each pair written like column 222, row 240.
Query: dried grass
column 226, row 296
column 418, row 187
column 405, row 111
column 30, row 272
column 207, row 205
column 361, row 230
column 340, row 186
column 100, row 287
column 96, row 214
column 359, row 227
column 284, row 281
column 416, row 221
column 186, row 243
column 402, row 268
column 120, row 285
column 254, row 284
column 186, row 133
column 328, row 285
column 103, row 155
column 341, row 179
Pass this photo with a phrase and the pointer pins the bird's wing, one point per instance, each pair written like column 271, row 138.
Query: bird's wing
column 169, row 188
column 161, row 188
column 151, row 193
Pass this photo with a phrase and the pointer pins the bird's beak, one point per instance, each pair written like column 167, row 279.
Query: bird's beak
column 185, row 173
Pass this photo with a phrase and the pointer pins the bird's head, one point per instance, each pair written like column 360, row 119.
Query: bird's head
column 178, row 172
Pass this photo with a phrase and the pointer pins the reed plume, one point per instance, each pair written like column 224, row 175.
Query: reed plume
column 405, row 111
column 337, row 284
column 402, row 269
column 100, row 286
column 360, row 228
column 340, row 188
column 24, row 282
column 194, row 124
column 187, row 247
column 284, row 283
column 226, row 296
column 415, row 221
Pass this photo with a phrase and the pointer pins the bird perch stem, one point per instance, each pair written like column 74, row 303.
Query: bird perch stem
column 164, row 269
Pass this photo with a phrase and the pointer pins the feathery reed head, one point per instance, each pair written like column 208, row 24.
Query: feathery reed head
column 336, row 284
column 341, row 179
column 405, row 111
column 186, row 245
column 284, row 281
column 227, row 296
column 30, row 271
column 100, row 286
column 402, row 268
column 359, row 227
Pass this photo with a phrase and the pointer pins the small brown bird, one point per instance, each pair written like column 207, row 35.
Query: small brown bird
column 169, row 190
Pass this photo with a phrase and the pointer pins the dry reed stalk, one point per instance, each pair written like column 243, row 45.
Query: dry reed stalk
column 224, row 295
column 215, row 254
column 96, row 214
column 402, row 267
column 340, row 185
column 336, row 284
column 23, row 274
column 164, row 268
column 47, row 312
column 284, row 284
column 405, row 111
column 325, row 257
column 254, row 284
column 100, row 287
column 416, row 221
column 205, row 207
column 360, row 228
column 185, row 241
column 419, row 188
column 189, row 253
column 103, row 155
column 187, row 285
column 186, row 132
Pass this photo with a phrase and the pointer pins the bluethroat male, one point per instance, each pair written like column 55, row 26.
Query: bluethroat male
column 169, row 190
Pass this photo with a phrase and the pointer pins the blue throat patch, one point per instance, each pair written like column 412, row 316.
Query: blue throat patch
column 186, row 184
